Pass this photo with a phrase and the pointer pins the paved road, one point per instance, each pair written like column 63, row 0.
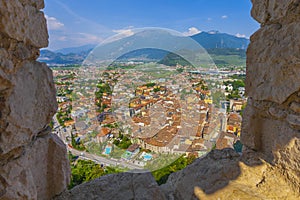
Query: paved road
column 63, row 132
column 223, row 121
column 102, row 160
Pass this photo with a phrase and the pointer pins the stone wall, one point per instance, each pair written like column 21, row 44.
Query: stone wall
column 271, row 123
column 33, row 162
column 219, row 175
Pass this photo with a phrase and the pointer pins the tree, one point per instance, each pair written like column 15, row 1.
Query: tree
column 150, row 85
column 77, row 145
column 161, row 175
column 85, row 170
column 156, row 89
column 180, row 70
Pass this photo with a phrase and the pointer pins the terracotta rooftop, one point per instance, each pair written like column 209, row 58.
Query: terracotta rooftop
column 163, row 137
column 197, row 145
column 104, row 131
column 234, row 118
column 133, row 147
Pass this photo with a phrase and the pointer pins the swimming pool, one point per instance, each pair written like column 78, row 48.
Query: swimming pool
column 147, row 156
column 107, row 150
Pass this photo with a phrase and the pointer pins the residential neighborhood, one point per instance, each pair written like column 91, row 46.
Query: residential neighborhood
column 130, row 116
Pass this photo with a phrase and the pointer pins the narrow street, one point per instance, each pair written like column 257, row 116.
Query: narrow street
column 104, row 161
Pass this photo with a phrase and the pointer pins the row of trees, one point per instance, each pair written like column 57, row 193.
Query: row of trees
column 63, row 116
column 101, row 89
column 86, row 170
column 122, row 141
column 161, row 175
column 235, row 84
column 77, row 144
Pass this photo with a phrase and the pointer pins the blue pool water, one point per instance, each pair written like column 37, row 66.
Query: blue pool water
column 147, row 156
column 107, row 150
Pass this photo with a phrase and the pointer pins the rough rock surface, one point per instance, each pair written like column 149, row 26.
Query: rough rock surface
column 225, row 175
column 22, row 21
column 39, row 172
column 271, row 122
column 33, row 162
column 220, row 175
column 117, row 186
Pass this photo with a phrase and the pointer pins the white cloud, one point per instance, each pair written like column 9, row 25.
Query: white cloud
column 121, row 33
column 125, row 32
column 192, row 31
column 224, row 17
column 240, row 35
column 53, row 23
column 212, row 32
column 209, row 19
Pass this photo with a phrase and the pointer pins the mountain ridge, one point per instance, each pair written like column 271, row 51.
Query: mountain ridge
column 78, row 49
column 212, row 41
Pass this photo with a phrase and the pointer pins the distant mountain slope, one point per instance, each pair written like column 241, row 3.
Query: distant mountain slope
column 225, row 49
column 226, row 57
column 76, row 50
column 221, row 57
column 52, row 58
column 147, row 54
column 211, row 40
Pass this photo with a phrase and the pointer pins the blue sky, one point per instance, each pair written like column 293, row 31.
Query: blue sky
column 78, row 22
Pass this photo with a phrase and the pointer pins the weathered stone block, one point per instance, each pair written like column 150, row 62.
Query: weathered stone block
column 274, row 11
column 23, row 22
column 273, row 64
column 41, row 172
column 117, row 186
column 32, row 104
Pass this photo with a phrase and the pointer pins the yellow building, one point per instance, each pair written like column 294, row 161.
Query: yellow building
column 69, row 123
column 208, row 101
